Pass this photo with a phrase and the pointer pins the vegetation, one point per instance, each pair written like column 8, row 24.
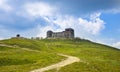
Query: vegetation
column 94, row 57
column 20, row 60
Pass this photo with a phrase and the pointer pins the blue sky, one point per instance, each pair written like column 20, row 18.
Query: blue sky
column 96, row 20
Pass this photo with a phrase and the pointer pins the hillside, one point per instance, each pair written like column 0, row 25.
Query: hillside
column 20, row 55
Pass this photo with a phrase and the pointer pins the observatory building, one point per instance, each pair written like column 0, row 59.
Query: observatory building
column 68, row 33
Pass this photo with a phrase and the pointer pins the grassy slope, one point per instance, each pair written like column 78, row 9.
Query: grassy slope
column 19, row 60
column 95, row 57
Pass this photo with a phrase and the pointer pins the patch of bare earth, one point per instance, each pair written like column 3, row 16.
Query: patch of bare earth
column 69, row 60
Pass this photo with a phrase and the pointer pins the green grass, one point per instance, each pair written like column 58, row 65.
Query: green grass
column 20, row 60
column 27, row 43
column 94, row 57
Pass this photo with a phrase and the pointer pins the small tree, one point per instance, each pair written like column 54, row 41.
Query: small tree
column 18, row 35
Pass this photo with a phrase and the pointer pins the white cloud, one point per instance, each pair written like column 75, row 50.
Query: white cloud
column 58, row 22
column 94, row 25
column 5, row 6
column 39, row 9
column 83, row 28
column 42, row 31
column 65, row 21
column 117, row 44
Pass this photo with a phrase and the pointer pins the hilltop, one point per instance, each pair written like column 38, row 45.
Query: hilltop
column 24, row 55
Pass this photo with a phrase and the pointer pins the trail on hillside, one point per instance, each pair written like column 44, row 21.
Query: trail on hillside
column 15, row 46
column 57, row 66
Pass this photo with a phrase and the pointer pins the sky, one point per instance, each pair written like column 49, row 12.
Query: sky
column 96, row 20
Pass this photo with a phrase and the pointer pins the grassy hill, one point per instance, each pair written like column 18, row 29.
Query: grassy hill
column 94, row 57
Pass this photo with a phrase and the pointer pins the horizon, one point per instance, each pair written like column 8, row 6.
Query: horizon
column 95, row 20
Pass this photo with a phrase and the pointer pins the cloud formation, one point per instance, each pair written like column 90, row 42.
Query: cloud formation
column 117, row 44
column 94, row 25
column 39, row 9
column 82, row 26
column 5, row 6
column 55, row 20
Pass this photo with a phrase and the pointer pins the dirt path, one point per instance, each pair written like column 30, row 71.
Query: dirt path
column 15, row 46
column 57, row 66
column 69, row 60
